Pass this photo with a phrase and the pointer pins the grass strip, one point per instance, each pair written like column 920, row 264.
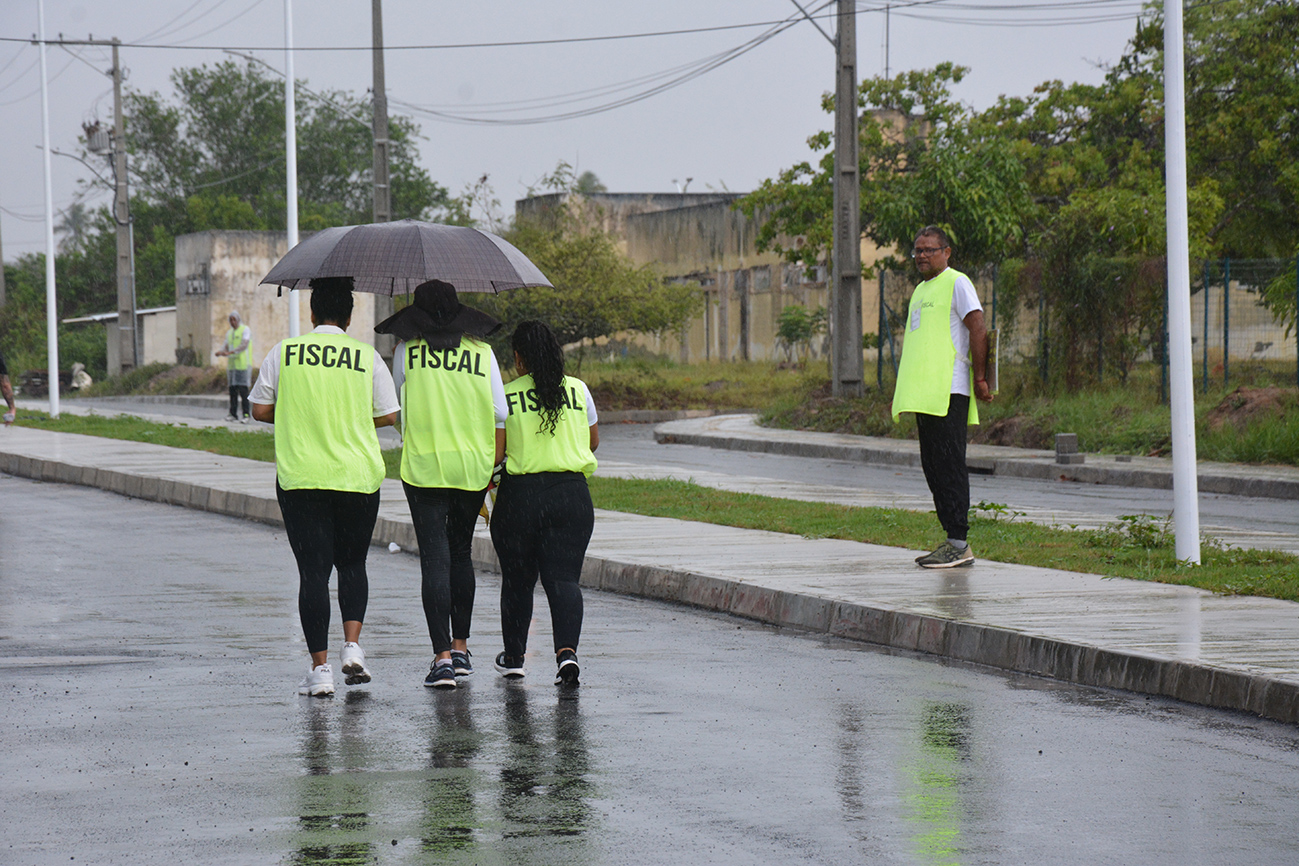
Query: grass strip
column 1137, row 547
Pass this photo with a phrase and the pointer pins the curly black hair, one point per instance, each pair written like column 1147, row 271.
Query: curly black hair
column 544, row 358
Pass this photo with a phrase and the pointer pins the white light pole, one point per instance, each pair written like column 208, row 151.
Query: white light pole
column 290, row 157
column 51, row 301
column 1186, row 509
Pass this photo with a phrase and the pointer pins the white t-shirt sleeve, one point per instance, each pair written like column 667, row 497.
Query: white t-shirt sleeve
column 591, row 417
column 965, row 300
column 399, row 366
column 384, row 399
column 268, row 379
column 498, row 394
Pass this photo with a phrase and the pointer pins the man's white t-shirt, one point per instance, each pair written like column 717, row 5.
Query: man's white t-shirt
column 965, row 300
column 384, row 400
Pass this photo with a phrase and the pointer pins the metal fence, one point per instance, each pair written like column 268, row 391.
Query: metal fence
column 1236, row 337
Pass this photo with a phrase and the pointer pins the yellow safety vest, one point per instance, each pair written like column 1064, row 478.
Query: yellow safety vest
column 448, row 420
column 528, row 449
column 242, row 360
column 324, row 416
column 928, row 354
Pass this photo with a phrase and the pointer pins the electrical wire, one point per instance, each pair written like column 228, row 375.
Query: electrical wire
column 231, row 20
column 32, row 93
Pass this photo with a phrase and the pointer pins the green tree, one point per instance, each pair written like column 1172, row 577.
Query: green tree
column 597, row 291
column 922, row 161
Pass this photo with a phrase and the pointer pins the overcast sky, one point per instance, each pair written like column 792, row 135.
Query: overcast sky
column 727, row 128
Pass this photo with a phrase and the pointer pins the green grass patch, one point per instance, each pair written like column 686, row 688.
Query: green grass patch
column 656, row 383
column 1116, row 418
column 1137, row 547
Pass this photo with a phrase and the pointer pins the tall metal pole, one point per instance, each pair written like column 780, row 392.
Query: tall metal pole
column 845, row 284
column 290, row 158
column 126, row 321
column 383, row 306
column 51, row 301
column 1186, row 512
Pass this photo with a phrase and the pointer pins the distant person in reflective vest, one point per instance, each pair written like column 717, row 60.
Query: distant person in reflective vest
column 326, row 393
column 944, row 356
column 543, row 518
column 452, row 399
column 7, row 391
column 238, row 352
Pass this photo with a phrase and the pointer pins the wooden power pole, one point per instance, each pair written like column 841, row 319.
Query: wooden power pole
column 845, row 281
column 122, row 216
column 383, row 306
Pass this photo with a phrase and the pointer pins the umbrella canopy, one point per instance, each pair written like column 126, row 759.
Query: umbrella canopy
column 393, row 258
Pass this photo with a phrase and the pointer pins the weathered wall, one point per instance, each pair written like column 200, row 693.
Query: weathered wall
column 220, row 271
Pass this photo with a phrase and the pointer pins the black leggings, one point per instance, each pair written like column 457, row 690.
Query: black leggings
column 942, row 456
column 541, row 527
column 329, row 529
column 237, row 393
column 444, row 527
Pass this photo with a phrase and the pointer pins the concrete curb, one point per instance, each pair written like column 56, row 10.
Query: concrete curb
column 995, row 647
column 990, row 460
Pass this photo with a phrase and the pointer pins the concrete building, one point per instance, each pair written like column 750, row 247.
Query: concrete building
column 703, row 237
column 219, row 271
column 156, row 330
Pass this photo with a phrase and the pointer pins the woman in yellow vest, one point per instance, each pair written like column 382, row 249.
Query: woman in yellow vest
column 451, row 399
column 326, row 393
column 543, row 518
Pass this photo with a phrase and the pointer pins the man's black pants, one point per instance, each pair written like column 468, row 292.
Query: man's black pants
column 329, row 529
column 942, row 456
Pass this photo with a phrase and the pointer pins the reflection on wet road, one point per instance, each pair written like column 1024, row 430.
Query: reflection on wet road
column 148, row 707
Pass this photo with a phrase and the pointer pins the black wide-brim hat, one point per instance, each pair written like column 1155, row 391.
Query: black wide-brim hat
column 438, row 316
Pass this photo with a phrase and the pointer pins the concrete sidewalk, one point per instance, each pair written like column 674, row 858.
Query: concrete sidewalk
column 1237, row 653
column 741, row 433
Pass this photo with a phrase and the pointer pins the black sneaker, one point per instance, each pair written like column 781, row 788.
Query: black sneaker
column 460, row 661
column 509, row 666
column 568, row 669
column 441, row 675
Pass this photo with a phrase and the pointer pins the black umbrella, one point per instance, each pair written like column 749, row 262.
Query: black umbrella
column 393, row 258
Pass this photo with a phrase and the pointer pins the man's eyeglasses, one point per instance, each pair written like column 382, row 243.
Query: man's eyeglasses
column 919, row 252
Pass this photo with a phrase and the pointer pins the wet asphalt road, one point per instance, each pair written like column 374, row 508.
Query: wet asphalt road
column 149, row 715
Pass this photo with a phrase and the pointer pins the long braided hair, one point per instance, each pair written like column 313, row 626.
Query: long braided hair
column 544, row 358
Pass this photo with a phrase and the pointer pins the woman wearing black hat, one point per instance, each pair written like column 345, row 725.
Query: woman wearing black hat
column 452, row 399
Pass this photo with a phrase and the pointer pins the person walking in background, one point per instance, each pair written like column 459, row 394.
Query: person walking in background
column 543, row 518
column 7, row 391
column 326, row 393
column 238, row 352
column 452, row 399
column 944, row 356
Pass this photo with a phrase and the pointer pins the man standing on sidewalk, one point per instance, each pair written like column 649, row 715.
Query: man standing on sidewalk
column 944, row 356
column 238, row 353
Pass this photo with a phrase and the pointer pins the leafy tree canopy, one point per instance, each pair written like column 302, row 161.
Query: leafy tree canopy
column 597, row 292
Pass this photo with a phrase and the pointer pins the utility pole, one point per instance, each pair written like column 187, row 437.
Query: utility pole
column 845, row 281
column 291, row 160
column 383, row 306
column 126, row 319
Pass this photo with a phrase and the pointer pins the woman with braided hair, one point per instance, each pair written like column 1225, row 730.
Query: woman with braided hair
column 543, row 518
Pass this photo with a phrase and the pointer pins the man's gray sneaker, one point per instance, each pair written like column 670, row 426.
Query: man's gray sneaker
column 946, row 556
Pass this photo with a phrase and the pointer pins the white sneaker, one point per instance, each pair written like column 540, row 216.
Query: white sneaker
column 354, row 668
column 320, row 681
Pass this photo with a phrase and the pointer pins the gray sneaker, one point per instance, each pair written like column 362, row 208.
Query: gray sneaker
column 947, row 556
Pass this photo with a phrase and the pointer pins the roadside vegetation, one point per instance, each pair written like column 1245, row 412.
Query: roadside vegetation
column 1136, row 547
